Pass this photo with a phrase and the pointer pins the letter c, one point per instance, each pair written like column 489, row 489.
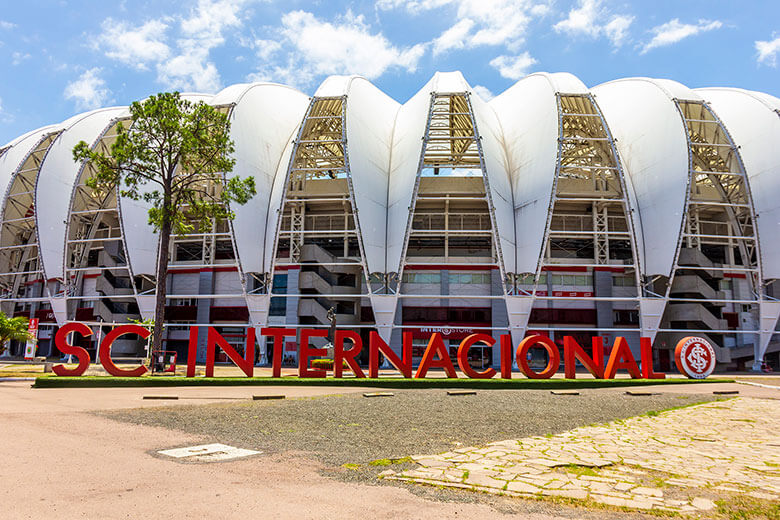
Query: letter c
column 105, row 351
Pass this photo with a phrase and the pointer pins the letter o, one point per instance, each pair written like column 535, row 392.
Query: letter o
column 552, row 350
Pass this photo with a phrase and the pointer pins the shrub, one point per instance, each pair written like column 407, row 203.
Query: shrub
column 326, row 364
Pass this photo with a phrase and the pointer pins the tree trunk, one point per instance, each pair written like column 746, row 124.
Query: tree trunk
column 161, row 288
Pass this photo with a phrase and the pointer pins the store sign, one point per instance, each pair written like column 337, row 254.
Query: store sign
column 348, row 345
column 32, row 343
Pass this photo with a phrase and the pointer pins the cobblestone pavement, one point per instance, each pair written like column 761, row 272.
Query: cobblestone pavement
column 679, row 460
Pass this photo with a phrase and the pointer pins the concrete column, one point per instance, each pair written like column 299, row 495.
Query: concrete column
column 291, row 303
column 499, row 314
column 445, row 288
column 602, row 287
column 205, row 286
column 396, row 336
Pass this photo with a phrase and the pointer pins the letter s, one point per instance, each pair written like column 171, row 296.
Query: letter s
column 61, row 340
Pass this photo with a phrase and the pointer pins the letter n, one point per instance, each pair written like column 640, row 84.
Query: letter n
column 572, row 351
column 376, row 345
column 246, row 364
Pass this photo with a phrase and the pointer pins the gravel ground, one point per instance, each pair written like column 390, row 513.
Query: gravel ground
column 354, row 438
column 352, row 429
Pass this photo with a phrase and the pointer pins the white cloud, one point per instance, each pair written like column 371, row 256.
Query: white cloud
column 513, row 67
column 479, row 22
column 767, row 51
column 454, row 37
column 592, row 19
column 5, row 117
column 18, row 57
column 190, row 70
column 413, row 6
column 207, row 22
column 179, row 47
column 202, row 31
column 617, row 29
column 264, row 49
column 134, row 46
column 88, row 91
column 6, row 25
column 673, row 31
column 483, row 92
column 316, row 47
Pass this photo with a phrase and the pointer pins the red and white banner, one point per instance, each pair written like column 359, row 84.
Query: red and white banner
column 32, row 329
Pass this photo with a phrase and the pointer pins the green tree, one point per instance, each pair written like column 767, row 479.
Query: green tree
column 174, row 155
column 149, row 325
column 13, row 329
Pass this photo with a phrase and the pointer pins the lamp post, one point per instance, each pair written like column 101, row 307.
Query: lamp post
column 99, row 338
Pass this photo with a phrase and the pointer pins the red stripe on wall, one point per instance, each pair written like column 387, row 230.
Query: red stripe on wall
column 226, row 269
column 449, row 267
column 286, row 267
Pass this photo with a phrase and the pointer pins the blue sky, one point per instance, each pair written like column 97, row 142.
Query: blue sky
column 62, row 57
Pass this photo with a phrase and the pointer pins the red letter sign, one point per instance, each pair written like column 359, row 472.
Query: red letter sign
column 694, row 357
column 61, row 340
column 621, row 357
column 506, row 356
column 572, row 351
column 647, row 360
column 340, row 355
column 376, row 345
column 552, row 350
column 308, row 351
column 105, row 351
column 435, row 348
column 246, row 364
column 278, row 335
column 192, row 352
column 463, row 356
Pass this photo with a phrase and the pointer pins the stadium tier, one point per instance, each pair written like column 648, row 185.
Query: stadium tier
column 638, row 207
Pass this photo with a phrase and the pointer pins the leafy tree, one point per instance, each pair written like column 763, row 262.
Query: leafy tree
column 172, row 156
column 148, row 324
column 13, row 329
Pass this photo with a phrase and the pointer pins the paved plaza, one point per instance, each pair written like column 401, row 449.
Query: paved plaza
column 678, row 460
column 66, row 458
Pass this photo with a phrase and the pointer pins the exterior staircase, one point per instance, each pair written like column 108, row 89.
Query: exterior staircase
column 324, row 286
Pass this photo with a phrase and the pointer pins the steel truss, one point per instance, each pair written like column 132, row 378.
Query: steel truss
column 719, row 213
column 96, row 245
column 318, row 227
column 440, row 210
column 20, row 267
column 718, row 204
column 588, row 221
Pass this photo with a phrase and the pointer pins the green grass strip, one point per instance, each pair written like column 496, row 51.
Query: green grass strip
column 482, row 384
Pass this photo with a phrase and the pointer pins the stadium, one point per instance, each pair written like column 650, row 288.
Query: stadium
column 639, row 207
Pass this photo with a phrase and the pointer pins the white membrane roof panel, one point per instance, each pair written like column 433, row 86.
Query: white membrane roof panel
column 755, row 128
column 263, row 121
column 528, row 114
column 499, row 183
column 407, row 147
column 55, row 185
column 16, row 154
column 275, row 203
column 652, row 144
column 370, row 119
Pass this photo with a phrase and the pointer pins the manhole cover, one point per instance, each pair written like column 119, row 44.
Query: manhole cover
column 208, row 453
